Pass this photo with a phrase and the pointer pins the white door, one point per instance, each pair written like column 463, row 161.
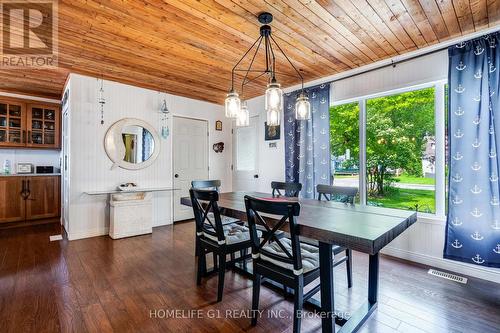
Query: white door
column 245, row 156
column 190, row 153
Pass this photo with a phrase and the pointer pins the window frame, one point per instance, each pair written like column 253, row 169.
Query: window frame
column 440, row 133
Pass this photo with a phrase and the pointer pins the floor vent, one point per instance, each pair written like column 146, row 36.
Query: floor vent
column 448, row 276
column 55, row 238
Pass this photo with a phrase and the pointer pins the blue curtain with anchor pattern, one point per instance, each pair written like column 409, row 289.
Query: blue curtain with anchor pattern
column 307, row 143
column 473, row 224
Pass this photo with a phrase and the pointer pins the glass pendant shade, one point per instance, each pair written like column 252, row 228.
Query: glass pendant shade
column 232, row 105
column 302, row 107
column 243, row 118
column 273, row 117
column 274, row 97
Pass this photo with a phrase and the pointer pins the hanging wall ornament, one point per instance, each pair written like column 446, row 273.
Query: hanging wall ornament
column 165, row 132
column 101, row 100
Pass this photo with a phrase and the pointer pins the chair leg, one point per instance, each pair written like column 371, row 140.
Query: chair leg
column 244, row 254
column 348, row 263
column 255, row 297
column 285, row 291
column 222, row 273
column 298, row 305
column 201, row 265
column 215, row 260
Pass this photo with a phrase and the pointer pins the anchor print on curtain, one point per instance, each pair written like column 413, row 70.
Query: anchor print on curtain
column 473, row 225
column 307, row 143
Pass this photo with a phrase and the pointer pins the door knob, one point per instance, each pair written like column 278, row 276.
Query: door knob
column 255, row 176
column 176, row 175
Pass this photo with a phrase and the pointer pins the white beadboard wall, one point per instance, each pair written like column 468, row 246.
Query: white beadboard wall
column 34, row 156
column 90, row 166
column 424, row 241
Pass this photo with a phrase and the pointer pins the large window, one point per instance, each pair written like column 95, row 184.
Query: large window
column 344, row 144
column 398, row 155
column 400, row 151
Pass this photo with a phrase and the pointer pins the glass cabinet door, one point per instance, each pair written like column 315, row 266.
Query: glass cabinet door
column 43, row 126
column 12, row 123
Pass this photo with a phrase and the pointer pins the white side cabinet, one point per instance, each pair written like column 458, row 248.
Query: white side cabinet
column 131, row 214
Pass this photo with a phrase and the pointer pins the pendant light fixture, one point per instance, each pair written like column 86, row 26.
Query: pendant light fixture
column 234, row 106
column 302, row 107
column 243, row 118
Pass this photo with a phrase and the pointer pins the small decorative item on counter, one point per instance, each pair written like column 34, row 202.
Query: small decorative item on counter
column 127, row 187
column 218, row 147
column 6, row 167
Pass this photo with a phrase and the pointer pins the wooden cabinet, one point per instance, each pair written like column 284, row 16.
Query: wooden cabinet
column 12, row 204
column 28, row 198
column 43, row 199
column 32, row 125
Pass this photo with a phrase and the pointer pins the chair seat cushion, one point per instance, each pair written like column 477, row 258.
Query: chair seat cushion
column 336, row 248
column 234, row 233
column 309, row 254
column 224, row 219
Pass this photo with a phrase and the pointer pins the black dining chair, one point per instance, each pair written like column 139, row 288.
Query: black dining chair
column 290, row 189
column 284, row 260
column 345, row 195
column 214, row 237
column 213, row 184
column 337, row 193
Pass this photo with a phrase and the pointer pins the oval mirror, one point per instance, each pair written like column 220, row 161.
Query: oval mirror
column 132, row 144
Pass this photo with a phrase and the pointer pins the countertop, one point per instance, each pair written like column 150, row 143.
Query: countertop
column 29, row 174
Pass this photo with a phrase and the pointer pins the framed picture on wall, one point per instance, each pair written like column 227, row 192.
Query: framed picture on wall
column 272, row 132
column 218, row 125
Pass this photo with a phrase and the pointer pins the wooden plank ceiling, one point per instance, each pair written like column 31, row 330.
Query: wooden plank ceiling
column 188, row 48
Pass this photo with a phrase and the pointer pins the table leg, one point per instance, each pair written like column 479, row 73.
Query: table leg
column 373, row 278
column 326, row 280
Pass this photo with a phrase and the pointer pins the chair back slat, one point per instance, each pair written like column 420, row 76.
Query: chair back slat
column 337, row 193
column 204, row 202
column 288, row 210
column 290, row 189
column 213, row 184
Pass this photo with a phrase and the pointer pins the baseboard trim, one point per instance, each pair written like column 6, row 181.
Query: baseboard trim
column 485, row 273
column 88, row 233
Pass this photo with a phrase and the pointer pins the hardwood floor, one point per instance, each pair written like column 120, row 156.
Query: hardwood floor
column 101, row 285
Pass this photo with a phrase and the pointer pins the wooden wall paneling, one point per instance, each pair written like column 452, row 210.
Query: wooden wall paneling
column 188, row 48
column 416, row 12
column 402, row 15
column 234, row 19
column 464, row 15
column 295, row 11
column 433, row 13
column 479, row 11
column 493, row 12
column 349, row 15
column 369, row 49
column 381, row 17
column 334, row 56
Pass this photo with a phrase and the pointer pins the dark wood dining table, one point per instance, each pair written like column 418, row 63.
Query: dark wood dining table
column 361, row 228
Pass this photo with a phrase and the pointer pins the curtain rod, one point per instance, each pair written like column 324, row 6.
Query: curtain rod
column 391, row 62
